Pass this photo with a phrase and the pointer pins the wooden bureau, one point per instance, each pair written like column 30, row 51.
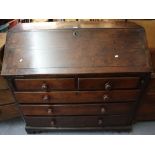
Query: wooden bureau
column 77, row 76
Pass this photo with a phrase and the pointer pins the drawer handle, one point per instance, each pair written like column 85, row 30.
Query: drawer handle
column 52, row 123
column 103, row 110
column 46, row 98
column 50, row 111
column 108, row 86
column 44, row 86
column 100, row 122
column 106, row 97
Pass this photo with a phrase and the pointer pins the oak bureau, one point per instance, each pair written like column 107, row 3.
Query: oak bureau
column 77, row 75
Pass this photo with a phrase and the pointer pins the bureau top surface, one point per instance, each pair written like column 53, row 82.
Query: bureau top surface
column 75, row 48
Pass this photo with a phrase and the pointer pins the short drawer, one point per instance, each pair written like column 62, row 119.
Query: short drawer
column 77, row 109
column 8, row 111
column 109, row 83
column 76, row 121
column 77, row 96
column 45, row 84
column 6, row 97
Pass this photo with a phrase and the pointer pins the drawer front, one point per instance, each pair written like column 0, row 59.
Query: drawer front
column 6, row 97
column 77, row 109
column 76, row 121
column 45, row 84
column 77, row 97
column 3, row 83
column 8, row 112
column 109, row 83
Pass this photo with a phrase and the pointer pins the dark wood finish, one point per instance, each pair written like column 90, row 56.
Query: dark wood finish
column 76, row 121
column 147, row 108
column 77, row 96
column 149, row 97
column 146, row 111
column 109, row 83
column 77, row 109
column 104, row 69
column 45, row 84
column 8, row 111
column 145, row 117
column 6, row 97
column 151, row 86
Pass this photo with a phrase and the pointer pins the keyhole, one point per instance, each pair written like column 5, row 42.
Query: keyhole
column 75, row 34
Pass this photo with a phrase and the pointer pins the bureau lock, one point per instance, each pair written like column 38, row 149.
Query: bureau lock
column 75, row 33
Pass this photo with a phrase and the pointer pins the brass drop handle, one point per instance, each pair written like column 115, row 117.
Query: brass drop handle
column 106, row 97
column 100, row 122
column 50, row 111
column 103, row 110
column 52, row 123
column 107, row 86
column 44, row 86
column 45, row 98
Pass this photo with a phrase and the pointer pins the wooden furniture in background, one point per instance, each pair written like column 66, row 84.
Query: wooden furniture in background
column 8, row 108
column 146, row 111
column 77, row 76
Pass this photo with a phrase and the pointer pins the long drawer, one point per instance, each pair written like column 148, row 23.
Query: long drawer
column 77, row 121
column 8, row 111
column 77, row 109
column 6, row 97
column 45, row 84
column 77, row 96
column 108, row 83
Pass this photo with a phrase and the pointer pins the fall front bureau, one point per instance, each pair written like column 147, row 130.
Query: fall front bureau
column 77, row 76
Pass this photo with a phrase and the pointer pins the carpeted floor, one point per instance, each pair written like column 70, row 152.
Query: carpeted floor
column 17, row 127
